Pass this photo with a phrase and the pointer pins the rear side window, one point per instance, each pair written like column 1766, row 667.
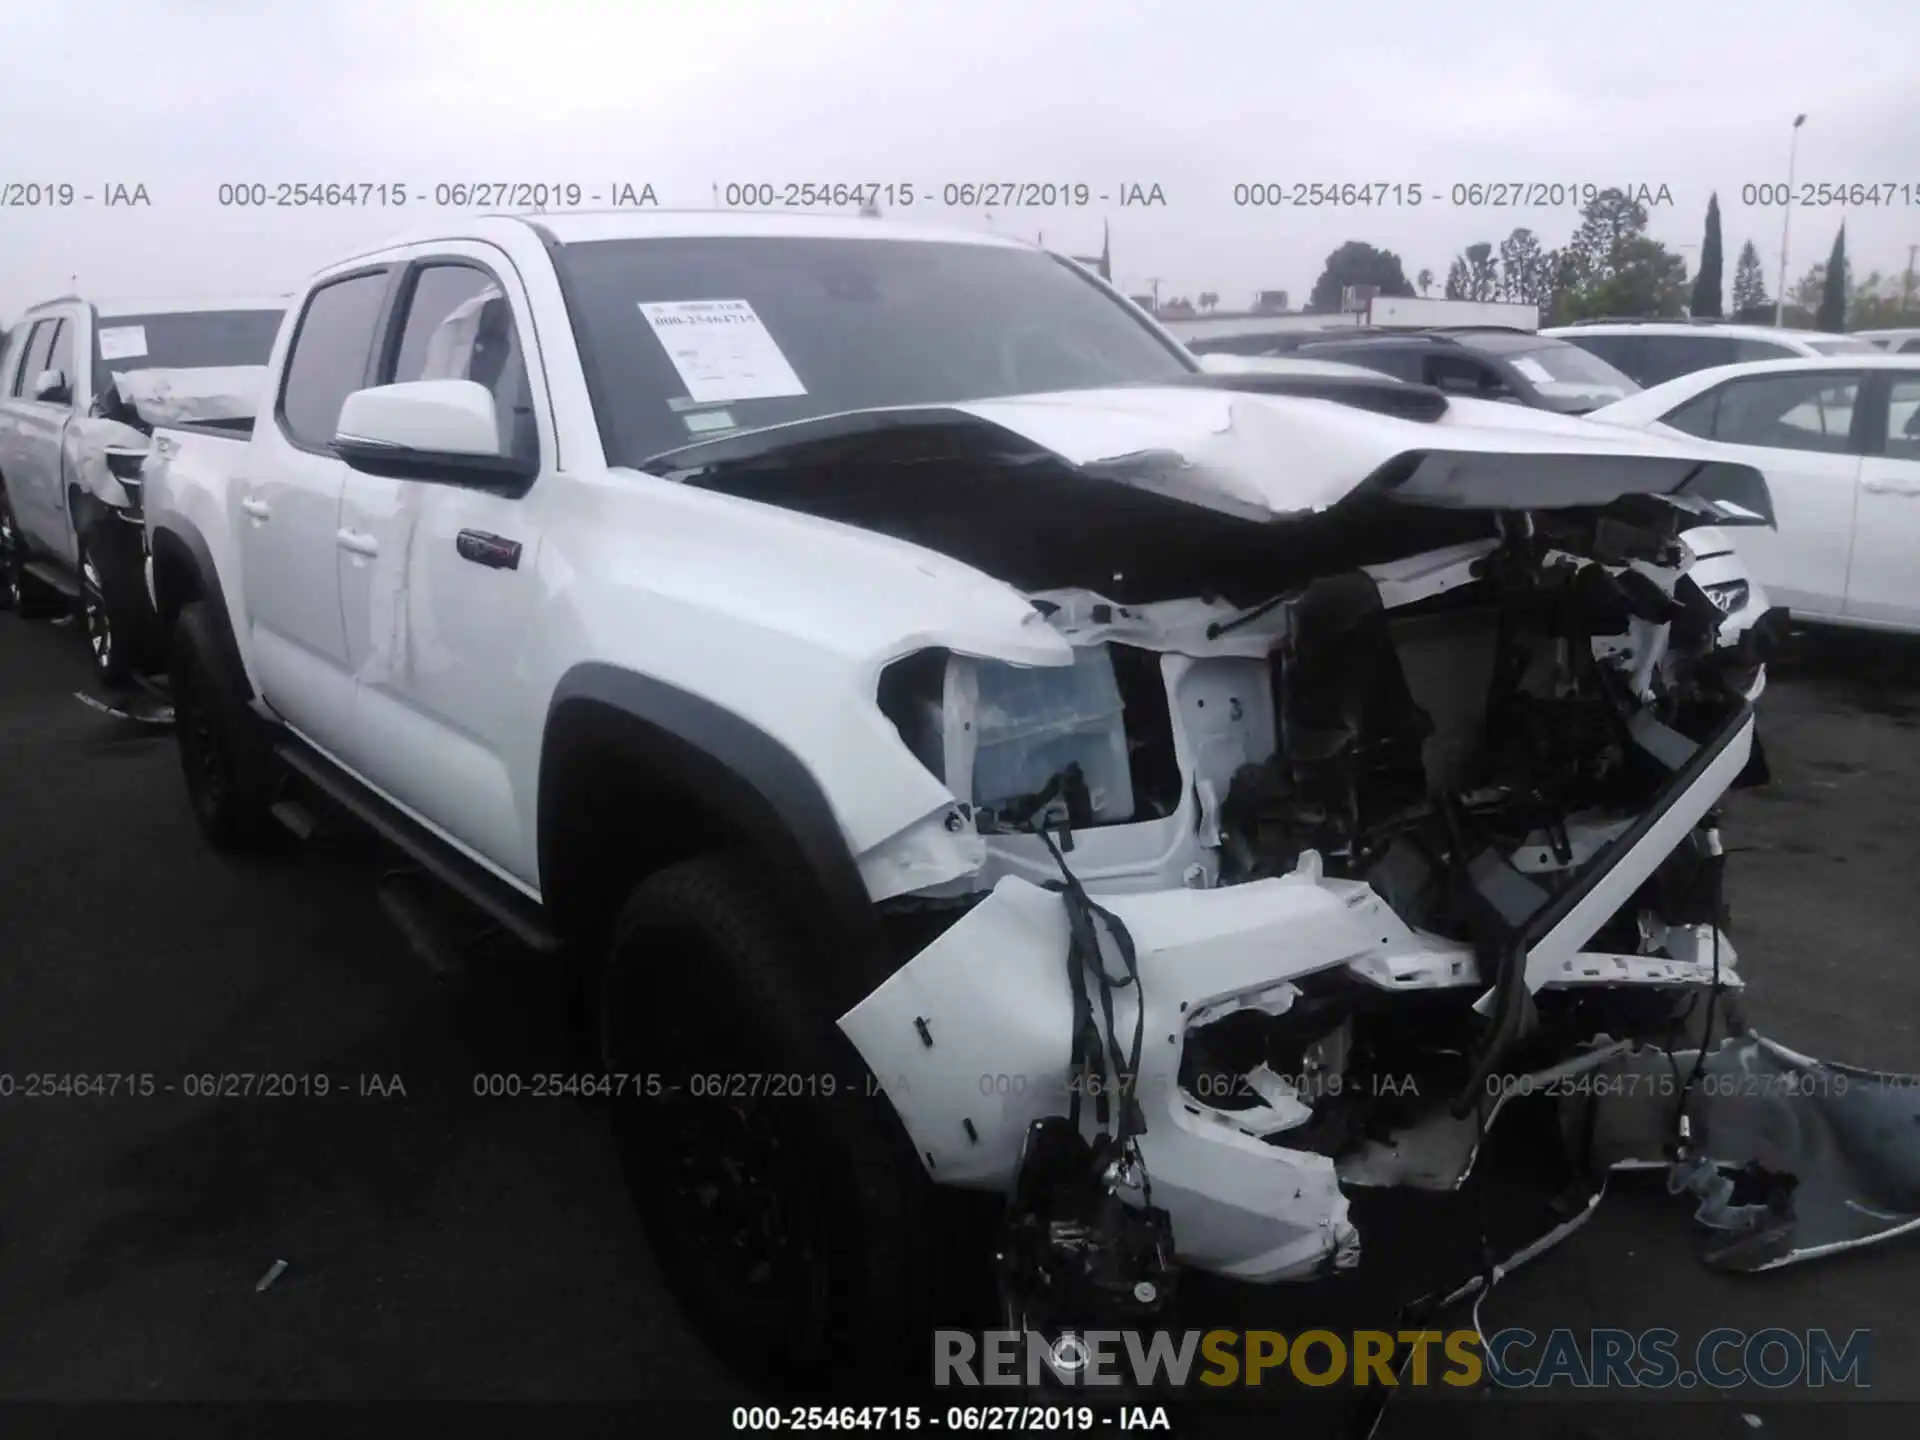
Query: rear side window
column 1912, row 347
column 328, row 361
column 1620, row 351
column 1811, row 412
column 39, row 347
column 1666, row 357
column 15, row 361
column 1745, row 350
column 1696, row 417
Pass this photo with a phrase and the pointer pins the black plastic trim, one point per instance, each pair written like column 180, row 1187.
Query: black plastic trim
column 187, row 534
column 749, row 779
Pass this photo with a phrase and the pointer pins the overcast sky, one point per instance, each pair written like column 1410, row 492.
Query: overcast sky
column 180, row 96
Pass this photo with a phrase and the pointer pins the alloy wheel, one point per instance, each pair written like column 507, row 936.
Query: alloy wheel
column 94, row 606
column 9, row 574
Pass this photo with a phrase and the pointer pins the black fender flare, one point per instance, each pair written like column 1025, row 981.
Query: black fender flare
column 749, row 781
column 166, row 531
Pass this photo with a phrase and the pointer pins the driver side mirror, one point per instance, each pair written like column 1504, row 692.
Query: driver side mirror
column 53, row 387
column 444, row 430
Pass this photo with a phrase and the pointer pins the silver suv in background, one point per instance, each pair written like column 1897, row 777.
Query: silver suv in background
column 81, row 386
column 1655, row 351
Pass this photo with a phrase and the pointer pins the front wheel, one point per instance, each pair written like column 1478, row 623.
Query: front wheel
column 784, row 1206
column 107, row 630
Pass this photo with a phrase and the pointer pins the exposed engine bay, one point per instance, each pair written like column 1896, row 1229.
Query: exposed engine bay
column 1278, row 894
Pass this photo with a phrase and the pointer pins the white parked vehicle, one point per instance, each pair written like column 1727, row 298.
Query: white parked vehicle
column 970, row 745
column 1894, row 342
column 1838, row 439
column 1656, row 351
column 81, row 387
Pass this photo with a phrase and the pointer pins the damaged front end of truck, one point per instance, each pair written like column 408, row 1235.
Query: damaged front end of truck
column 1375, row 786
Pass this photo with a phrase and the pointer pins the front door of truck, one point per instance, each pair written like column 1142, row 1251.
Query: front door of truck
column 1884, row 584
column 437, row 587
column 286, row 513
column 34, row 474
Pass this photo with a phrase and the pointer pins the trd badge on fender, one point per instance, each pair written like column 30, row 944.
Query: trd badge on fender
column 489, row 550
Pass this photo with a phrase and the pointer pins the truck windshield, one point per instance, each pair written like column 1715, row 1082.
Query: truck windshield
column 1564, row 376
column 688, row 339
column 185, row 340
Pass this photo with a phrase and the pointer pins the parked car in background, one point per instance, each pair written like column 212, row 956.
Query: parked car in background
column 81, row 387
column 1517, row 366
column 1838, row 439
column 1897, row 342
column 1656, row 351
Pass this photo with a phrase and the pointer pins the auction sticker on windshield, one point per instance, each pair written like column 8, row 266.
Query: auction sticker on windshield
column 722, row 350
column 123, row 342
column 1533, row 370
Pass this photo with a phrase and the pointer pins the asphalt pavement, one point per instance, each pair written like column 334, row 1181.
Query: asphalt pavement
column 440, row 1244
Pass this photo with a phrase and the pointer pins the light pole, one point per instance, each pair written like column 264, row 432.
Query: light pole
column 1786, row 225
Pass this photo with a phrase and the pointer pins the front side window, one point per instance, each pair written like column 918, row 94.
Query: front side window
column 1903, row 419
column 328, row 361
column 459, row 326
column 689, row 338
column 1745, row 350
column 60, row 356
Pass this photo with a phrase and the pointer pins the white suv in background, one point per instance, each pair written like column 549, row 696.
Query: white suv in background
column 1655, row 351
column 1894, row 342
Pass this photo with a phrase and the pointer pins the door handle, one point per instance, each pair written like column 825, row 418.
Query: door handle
column 1890, row 487
column 258, row 509
column 356, row 542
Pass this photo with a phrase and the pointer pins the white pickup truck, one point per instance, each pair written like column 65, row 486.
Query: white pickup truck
column 924, row 701
column 82, row 385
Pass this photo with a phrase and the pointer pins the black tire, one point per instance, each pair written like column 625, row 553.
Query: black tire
column 113, row 614
column 18, row 590
column 703, row 976
column 225, row 752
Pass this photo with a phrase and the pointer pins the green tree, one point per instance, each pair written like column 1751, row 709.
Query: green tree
column 1525, row 269
column 1424, row 280
column 1457, row 279
column 1880, row 302
column 1613, row 267
column 1356, row 263
column 1706, row 285
column 1750, row 302
column 1832, row 314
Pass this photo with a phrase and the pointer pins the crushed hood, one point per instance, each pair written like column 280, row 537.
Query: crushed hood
column 1232, row 444
column 184, row 397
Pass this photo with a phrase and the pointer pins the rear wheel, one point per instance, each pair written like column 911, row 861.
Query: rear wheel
column 17, row 588
column 224, row 749
column 784, row 1205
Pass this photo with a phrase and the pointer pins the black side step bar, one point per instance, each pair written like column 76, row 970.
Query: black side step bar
column 54, row 578
column 472, row 882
